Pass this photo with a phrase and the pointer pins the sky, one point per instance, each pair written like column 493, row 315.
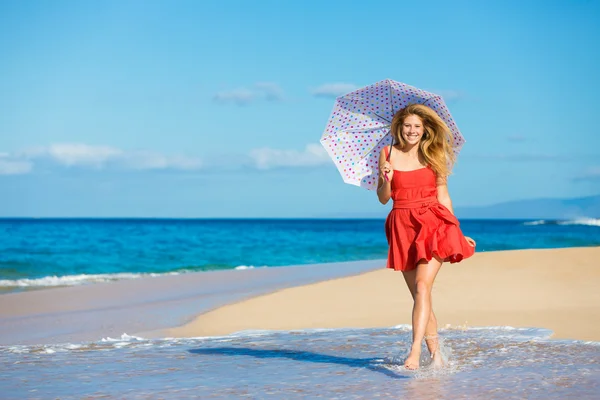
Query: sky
column 215, row 108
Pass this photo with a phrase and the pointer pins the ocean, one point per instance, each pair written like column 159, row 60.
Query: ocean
column 39, row 253
column 497, row 362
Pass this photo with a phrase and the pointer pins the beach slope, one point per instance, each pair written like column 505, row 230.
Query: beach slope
column 556, row 289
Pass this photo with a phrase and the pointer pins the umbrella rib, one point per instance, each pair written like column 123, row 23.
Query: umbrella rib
column 431, row 98
column 391, row 99
column 383, row 118
column 393, row 113
column 391, row 145
column 392, row 142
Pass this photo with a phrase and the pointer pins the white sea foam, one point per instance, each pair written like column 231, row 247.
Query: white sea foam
column 582, row 221
column 496, row 333
column 539, row 222
column 405, row 327
column 124, row 338
column 72, row 280
column 576, row 221
column 242, row 267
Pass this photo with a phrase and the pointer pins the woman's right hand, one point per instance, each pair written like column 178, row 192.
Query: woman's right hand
column 470, row 241
column 385, row 169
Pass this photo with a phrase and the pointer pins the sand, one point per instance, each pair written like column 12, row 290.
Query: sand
column 557, row 289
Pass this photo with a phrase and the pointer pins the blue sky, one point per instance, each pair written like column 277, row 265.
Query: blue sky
column 216, row 108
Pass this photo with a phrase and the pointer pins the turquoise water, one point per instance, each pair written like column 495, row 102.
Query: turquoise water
column 52, row 252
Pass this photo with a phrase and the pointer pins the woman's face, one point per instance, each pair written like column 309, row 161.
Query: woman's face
column 412, row 129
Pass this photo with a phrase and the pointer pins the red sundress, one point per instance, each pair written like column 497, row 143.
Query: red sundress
column 418, row 226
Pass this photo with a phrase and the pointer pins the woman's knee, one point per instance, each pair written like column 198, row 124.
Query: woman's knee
column 422, row 287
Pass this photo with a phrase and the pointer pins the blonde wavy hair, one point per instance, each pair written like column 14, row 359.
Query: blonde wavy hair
column 436, row 142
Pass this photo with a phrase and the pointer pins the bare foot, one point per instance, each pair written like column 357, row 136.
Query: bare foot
column 433, row 345
column 412, row 361
column 438, row 361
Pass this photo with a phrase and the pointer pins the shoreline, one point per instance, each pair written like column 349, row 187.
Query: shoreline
column 556, row 289
column 12, row 289
column 146, row 306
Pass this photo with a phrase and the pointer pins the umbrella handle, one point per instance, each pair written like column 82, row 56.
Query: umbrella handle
column 388, row 158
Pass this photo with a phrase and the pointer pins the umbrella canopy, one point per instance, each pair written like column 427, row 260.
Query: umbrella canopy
column 359, row 127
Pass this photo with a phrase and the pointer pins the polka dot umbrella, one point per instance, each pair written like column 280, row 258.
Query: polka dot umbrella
column 359, row 127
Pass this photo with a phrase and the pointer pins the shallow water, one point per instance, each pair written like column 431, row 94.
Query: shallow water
column 340, row 363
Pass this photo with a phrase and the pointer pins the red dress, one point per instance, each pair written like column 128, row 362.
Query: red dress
column 418, row 226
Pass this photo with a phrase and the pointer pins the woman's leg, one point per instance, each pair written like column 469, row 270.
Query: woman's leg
column 431, row 330
column 425, row 274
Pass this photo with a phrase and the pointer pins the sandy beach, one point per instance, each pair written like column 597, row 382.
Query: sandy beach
column 557, row 289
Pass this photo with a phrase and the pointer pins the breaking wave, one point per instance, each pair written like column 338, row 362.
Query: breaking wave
column 576, row 221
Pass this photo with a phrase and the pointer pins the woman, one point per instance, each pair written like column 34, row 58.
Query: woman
column 421, row 228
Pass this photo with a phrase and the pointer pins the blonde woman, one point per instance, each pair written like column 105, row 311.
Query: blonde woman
column 421, row 228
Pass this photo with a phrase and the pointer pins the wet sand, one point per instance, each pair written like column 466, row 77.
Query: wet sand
column 145, row 306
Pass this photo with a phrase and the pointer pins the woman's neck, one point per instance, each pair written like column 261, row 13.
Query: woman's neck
column 411, row 150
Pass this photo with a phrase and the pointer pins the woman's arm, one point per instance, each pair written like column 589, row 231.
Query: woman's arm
column 442, row 193
column 384, row 187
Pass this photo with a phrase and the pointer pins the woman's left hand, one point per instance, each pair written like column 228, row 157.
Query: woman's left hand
column 470, row 241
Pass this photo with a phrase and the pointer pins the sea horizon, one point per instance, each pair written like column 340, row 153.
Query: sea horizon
column 583, row 218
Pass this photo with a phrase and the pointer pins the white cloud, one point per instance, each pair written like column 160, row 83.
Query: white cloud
column 14, row 167
column 268, row 158
column 271, row 90
column 97, row 157
column 242, row 96
column 142, row 160
column 333, row 90
column 70, row 154
column 238, row 96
